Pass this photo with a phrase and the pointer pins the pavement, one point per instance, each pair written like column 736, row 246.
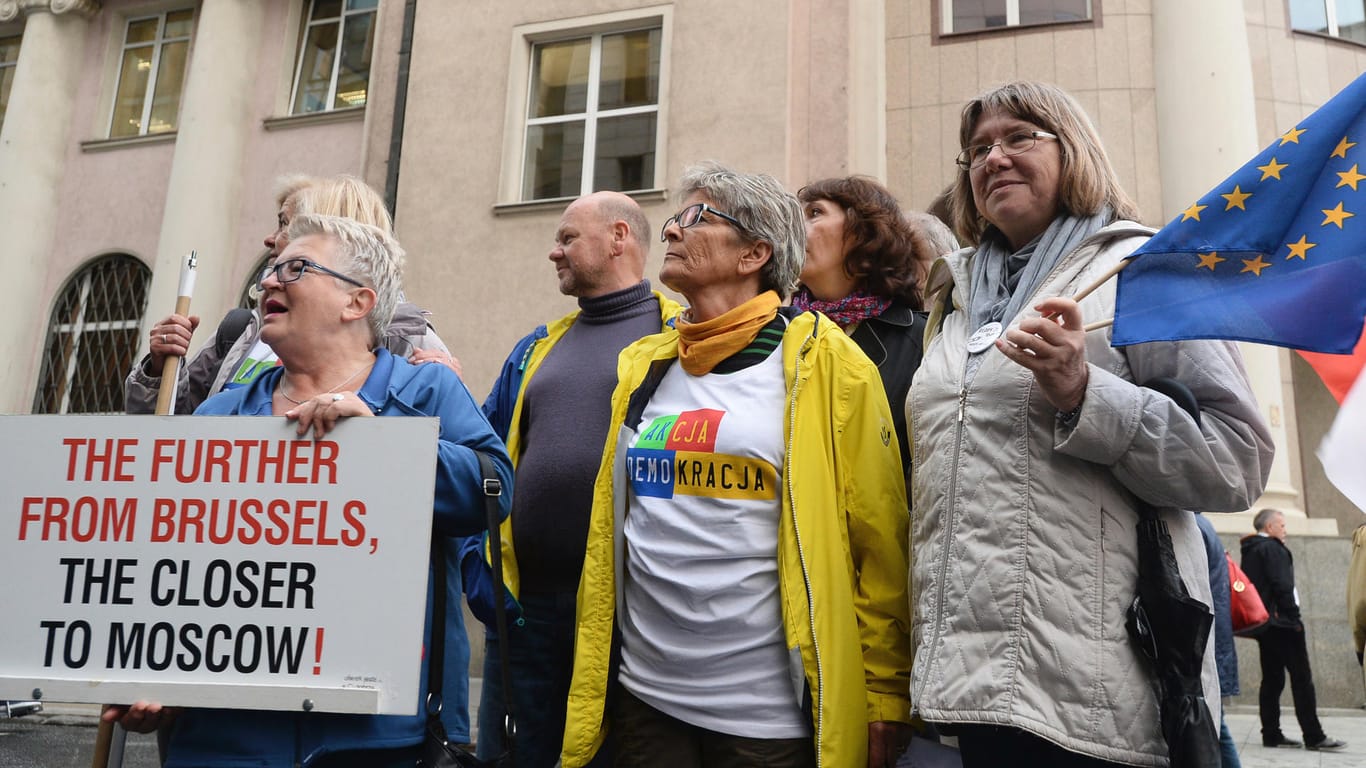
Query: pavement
column 1346, row 724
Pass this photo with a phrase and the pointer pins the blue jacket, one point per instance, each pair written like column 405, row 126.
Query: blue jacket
column 223, row 738
column 1225, row 654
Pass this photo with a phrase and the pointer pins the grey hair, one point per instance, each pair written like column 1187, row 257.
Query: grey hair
column 767, row 212
column 366, row 253
column 1264, row 518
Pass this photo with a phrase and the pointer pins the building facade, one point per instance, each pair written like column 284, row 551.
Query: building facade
column 135, row 131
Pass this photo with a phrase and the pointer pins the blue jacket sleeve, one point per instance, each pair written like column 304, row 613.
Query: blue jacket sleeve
column 502, row 399
column 459, row 502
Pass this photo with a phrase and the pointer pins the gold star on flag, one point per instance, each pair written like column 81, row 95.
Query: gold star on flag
column 1236, row 198
column 1299, row 249
column 1272, row 170
column 1209, row 260
column 1350, row 178
column 1342, row 148
column 1335, row 216
column 1193, row 212
column 1291, row 136
column 1254, row 266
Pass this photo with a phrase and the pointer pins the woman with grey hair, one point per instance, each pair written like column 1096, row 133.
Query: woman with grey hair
column 325, row 305
column 1036, row 445
column 743, row 597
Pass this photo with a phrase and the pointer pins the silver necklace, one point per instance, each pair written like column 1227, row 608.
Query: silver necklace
column 284, row 392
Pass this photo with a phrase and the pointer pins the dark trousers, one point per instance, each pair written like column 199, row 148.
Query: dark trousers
column 1283, row 650
column 992, row 746
column 541, row 653
column 648, row 738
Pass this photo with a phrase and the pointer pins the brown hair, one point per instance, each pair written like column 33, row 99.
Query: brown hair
column 1087, row 183
column 882, row 254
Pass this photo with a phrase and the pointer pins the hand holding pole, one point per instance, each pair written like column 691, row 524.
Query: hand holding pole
column 171, row 367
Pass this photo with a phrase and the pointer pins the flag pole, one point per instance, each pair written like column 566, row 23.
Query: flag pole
column 171, row 366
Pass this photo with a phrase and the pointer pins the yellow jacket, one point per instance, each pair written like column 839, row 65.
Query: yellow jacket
column 842, row 545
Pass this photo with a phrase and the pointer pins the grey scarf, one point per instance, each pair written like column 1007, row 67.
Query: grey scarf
column 1003, row 281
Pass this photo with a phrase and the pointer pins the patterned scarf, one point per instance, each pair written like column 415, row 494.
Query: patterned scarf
column 702, row 345
column 847, row 311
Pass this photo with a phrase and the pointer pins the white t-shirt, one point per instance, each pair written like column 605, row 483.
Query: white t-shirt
column 702, row 629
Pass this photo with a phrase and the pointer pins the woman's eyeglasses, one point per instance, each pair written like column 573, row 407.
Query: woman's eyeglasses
column 290, row 270
column 1014, row 144
column 691, row 215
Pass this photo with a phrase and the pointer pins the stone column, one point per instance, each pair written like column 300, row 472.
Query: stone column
column 33, row 148
column 204, row 190
column 1206, row 129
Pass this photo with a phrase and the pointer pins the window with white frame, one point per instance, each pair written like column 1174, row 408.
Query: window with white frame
column 1339, row 18
column 977, row 15
column 592, row 113
column 156, row 53
column 92, row 337
column 9, row 57
column 334, row 56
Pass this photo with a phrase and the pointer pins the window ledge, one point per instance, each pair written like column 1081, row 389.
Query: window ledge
column 1328, row 37
column 314, row 118
column 104, row 145
column 1043, row 26
column 559, row 203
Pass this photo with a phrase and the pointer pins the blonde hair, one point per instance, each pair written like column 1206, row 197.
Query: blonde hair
column 343, row 195
column 1087, row 183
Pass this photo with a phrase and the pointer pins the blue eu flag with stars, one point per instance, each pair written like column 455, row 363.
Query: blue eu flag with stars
column 1276, row 254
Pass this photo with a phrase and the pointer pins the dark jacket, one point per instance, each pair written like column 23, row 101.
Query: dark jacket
column 1225, row 655
column 894, row 341
column 1268, row 563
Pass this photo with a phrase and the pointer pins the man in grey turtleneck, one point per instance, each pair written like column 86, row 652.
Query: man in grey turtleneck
column 551, row 404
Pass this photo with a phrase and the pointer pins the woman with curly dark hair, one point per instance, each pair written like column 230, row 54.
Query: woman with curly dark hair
column 862, row 270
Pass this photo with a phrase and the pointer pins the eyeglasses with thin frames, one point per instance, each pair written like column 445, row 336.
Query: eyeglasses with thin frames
column 290, row 270
column 1016, row 143
column 692, row 215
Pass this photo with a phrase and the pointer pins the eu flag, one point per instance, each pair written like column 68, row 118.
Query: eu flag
column 1276, row 254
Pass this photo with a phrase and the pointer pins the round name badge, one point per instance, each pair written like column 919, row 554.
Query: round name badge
column 984, row 337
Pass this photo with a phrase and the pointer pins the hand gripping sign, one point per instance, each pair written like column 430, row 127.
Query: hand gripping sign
column 215, row 561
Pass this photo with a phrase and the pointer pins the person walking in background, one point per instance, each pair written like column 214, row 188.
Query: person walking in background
column 551, row 404
column 1225, row 654
column 1268, row 563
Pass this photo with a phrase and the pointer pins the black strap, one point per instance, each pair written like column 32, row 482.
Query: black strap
column 493, row 488
column 234, row 323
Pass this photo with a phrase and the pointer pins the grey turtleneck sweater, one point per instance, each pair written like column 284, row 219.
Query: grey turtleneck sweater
column 565, row 412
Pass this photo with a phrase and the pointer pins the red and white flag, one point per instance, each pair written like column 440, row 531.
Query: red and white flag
column 1343, row 450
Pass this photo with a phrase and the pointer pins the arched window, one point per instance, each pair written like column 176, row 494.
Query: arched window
column 92, row 337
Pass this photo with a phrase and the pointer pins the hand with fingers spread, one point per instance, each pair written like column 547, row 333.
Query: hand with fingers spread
column 171, row 336
column 1053, row 346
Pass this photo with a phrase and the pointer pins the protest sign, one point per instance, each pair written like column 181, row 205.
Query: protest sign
column 215, row 561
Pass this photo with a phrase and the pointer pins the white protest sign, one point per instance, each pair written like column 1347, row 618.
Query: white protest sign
column 215, row 561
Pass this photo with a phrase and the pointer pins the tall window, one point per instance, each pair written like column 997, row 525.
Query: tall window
column 9, row 57
column 1340, row 18
column 978, row 15
column 152, row 74
column 592, row 114
column 92, row 338
column 334, row 56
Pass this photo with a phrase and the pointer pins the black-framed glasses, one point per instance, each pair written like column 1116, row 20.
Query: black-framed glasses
column 288, row 270
column 691, row 215
column 1014, row 144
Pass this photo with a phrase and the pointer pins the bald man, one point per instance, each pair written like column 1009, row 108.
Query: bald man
column 551, row 405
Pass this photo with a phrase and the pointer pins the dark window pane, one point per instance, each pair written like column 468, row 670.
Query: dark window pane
column 1309, row 15
column 559, row 78
column 1352, row 20
column 625, row 157
column 326, row 9
column 141, row 31
column 971, row 15
column 630, row 69
column 361, row 5
column 1051, row 11
column 554, row 160
column 353, row 76
column 9, row 49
